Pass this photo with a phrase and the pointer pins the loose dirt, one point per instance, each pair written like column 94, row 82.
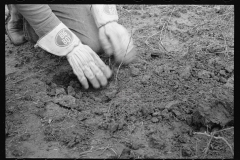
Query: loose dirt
column 175, row 101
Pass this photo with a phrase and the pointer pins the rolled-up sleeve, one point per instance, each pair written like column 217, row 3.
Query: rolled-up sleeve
column 39, row 16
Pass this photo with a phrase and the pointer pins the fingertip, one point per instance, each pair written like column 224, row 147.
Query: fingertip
column 104, row 82
column 84, row 83
column 95, row 84
column 108, row 72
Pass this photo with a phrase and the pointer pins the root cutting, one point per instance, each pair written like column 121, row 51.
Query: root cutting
column 212, row 136
column 126, row 49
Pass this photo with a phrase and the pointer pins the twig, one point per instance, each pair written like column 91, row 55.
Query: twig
column 126, row 49
column 211, row 20
column 109, row 147
column 30, row 75
column 87, row 151
column 212, row 136
column 197, row 148
column 163, row 29
column 207, row 148
column 150, row 37
column 224, row 129
column 181, row 152
column 225, row 142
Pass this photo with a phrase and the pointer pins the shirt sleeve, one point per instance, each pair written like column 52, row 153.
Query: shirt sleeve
column 40, row 17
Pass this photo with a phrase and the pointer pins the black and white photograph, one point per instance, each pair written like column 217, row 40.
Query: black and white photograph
column 119, row 81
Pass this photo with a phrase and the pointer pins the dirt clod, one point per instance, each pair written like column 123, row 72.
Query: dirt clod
column 60, row 91
column 134, row 71
column 111, row 94
column 25, row 137
column 176, row 112
column 71, row 91
column 229, row 69
column 145, row 79
column 186, row 73
column 159, row 70
column 126, row 154
column 222, row 72
column 186, row 152
column 154, row 120
column 156, row 114
column 157, row 144
column 17, row 153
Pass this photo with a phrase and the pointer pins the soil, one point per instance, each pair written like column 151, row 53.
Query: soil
column 167, row 104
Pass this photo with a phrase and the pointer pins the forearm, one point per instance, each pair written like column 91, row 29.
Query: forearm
column 40, row 17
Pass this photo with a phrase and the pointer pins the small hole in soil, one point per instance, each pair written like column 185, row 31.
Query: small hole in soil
column 64, row 78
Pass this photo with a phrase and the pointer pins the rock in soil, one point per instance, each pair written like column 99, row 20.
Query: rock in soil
column 154, row 119
column 229, row 68
column 157, row 144
column 186, row 73
column 134, row 145
column 111, row 94
column 222, row 72
column 113, row 127
column 126, row 154
column 158, row 70
column 176, row 112
column 134, row 71
column 145, row 79
column 155, row 114
column 66, row 101
column 186, row 152
column 25, row 137
column 171, row 104
column 60, row 91
column 17, row 153
column 71, row 91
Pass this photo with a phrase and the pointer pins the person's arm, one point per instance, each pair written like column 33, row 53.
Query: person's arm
column 114, row 38
column 39, row 16
column 56, row 38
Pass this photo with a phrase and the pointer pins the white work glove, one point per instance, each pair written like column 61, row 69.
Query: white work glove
column 85, row 63
column 114, row 38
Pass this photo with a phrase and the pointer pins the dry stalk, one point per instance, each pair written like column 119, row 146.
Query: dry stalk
column 212, row 136
column 107, row 147
column 211, row 20
column 100, row 148
column 164, row 27
column 224, row 129
column 126, row 49
column 207, row 148
column 91, row 150
column 146, row 41
column 150, row 37
column 30, row 75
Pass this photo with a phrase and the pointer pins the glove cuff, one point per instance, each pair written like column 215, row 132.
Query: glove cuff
column 104, row 14
column 60, row 41
column 107, row 23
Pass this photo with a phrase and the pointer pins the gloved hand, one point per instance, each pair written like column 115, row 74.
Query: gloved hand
column 114, row 38
column 85, row 62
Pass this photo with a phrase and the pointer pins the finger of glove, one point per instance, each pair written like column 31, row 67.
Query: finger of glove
column 98, row 73
column 105, row 69
column 91, row 77
column 106, row 44
column 78, row 72
column 83, row 55
column 83, row 61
